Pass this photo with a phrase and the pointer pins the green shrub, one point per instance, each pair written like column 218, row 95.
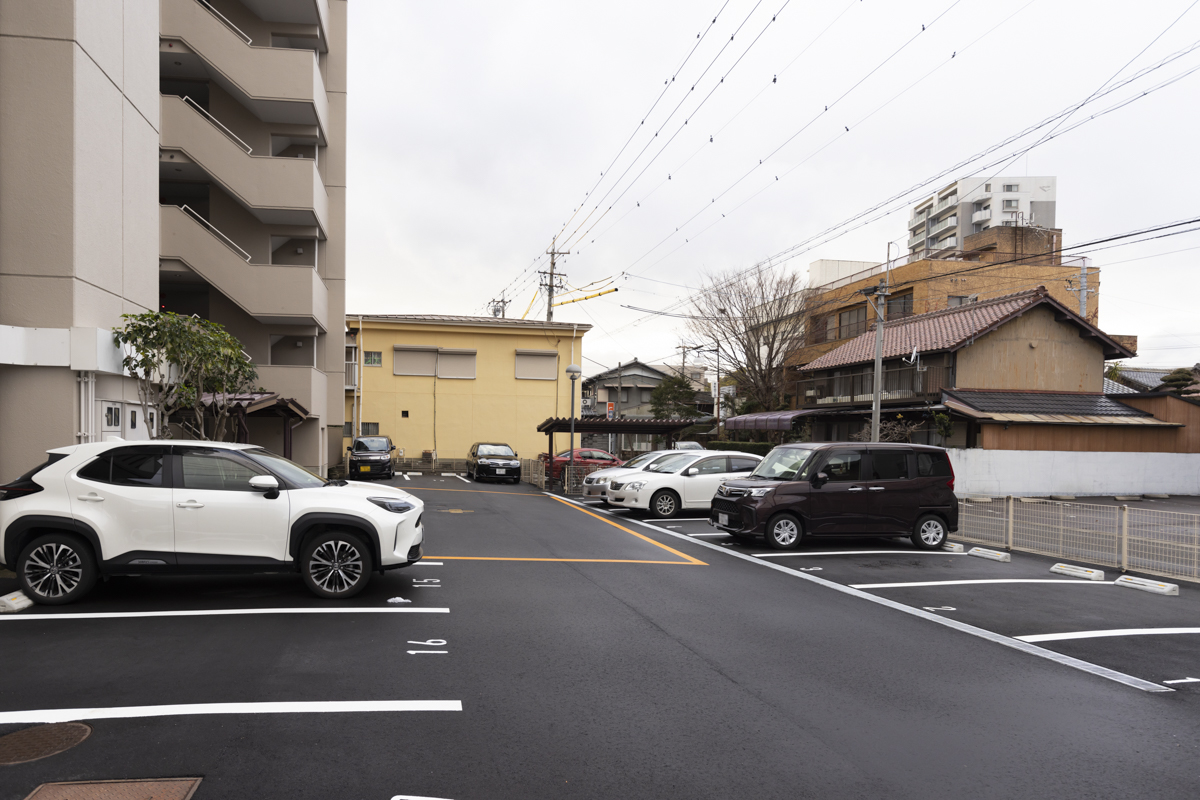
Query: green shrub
column 758, row 448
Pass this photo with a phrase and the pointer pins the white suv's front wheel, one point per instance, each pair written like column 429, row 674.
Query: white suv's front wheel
column 335, row 565
column 56, row 569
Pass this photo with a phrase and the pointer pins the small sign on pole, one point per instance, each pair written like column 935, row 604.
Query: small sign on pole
column 612, row 410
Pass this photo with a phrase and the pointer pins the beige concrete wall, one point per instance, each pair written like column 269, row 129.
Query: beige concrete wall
column 1036, row 352
column 331, row 256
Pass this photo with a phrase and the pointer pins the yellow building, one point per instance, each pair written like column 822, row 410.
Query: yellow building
column 442, row 383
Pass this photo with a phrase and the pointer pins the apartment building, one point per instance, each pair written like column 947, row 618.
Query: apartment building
column 998, row 261
column 182, row 155
column 943, row 221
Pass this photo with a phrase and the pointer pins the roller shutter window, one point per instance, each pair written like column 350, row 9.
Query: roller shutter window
column 537, row 365
column 458, row 364
column 414, row 360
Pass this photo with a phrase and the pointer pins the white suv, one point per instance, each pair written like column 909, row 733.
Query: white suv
column 119, row 508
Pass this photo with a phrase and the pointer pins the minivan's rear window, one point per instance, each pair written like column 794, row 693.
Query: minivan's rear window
column 933, row 465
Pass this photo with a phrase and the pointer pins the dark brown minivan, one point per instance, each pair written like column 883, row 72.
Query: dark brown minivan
column 842, row 489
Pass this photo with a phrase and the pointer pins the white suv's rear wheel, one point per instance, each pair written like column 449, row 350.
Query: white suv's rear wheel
column 335, row 565
column 56, row 569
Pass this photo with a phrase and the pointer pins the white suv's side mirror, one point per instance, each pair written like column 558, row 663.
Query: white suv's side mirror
column 692, row 471
column 264, row 483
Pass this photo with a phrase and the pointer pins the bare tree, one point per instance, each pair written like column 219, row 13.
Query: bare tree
column 752, row 321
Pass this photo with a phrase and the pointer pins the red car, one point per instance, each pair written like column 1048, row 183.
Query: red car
column 584, row 456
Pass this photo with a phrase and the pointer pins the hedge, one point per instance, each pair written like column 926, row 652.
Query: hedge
column 758, row 448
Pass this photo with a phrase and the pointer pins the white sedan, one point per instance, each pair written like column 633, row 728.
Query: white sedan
column 685, row 480
column 596, row 484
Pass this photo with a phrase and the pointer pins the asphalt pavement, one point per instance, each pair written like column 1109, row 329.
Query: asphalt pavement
column 605, row 655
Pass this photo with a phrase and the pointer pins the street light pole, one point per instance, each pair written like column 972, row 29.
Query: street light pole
column 574, row 372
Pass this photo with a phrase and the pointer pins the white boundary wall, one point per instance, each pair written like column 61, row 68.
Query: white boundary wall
column 1046, row 472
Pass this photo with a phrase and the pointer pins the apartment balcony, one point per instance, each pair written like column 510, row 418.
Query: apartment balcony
column 271, row 293
column 906, row 384
column 981, row 216
column 952, row 200
column 351, row 376
column 277, row 84
column 919, row 219
column 916, row 240
column 279, row 191
column 941, row 225
column 305, row 385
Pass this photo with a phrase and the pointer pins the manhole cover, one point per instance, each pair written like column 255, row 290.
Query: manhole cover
column 152, row 789
column 40, row 741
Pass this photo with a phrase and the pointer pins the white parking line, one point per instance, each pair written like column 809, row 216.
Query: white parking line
column 197, row 709
column 862, row 553
column 991, row 636
column 1060, row 637
column 222, row 612
column 1184, row 680
column 708, row 534
column 429, row 563
column 414, row 797
column 988, row 580
column 461, row 478
column 405, row 476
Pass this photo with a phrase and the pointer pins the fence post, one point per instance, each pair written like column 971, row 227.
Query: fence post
column 1124, row 538
column 1009, row 508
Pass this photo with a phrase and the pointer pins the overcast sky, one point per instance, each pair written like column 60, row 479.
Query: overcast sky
column 476, row 129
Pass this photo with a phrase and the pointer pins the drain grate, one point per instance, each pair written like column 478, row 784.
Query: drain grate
column 41, row 741
column 151, row 789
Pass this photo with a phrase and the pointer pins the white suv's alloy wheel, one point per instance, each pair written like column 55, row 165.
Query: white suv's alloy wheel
column 336, row 566
column 54, row 570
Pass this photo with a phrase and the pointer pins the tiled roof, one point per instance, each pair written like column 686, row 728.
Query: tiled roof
column 948, row 329
column 1112, row 387
column 1146, row 378
column 1072, row 403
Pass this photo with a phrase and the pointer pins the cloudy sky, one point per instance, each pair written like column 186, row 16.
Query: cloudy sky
column 477, row 129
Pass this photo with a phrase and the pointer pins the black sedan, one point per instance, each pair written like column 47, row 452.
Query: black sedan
column 371, row 456
column 493, row 460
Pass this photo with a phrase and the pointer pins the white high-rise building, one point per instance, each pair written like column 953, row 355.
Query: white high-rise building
column 941, row 221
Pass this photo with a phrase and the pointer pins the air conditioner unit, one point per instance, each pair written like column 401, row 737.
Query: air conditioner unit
column 810, row 393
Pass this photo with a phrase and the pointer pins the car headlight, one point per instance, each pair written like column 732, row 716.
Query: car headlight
column 762, row 491
column 393, row 504
column 636, row 486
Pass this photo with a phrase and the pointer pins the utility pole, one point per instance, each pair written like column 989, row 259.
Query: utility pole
column 880, row 293
column 617, row 407
column 498, row 307
column 551, row 284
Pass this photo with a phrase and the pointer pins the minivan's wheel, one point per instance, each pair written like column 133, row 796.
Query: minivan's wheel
column 930, row 533
column 335, row 565
column 664, row 504
column 57, row 568
column 784, row 532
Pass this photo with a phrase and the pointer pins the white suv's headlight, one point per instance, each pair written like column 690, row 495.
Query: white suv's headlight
column 393, row 504
column 636, row 486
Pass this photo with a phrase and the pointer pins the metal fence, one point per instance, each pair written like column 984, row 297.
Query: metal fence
column 573, row 477
column 533, row 471
column 1163, row 543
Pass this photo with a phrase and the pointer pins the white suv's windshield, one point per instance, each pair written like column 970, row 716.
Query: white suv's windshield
column 292, row 472
column 671, row 463
column 495, row 450
column 785, row 464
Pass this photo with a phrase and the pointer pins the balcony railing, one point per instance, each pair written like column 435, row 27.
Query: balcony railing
column 351, row 375
column 906, row 383
column 982, row 215
column 916, row 240
column 952, row 200
column 948, row 222
column 917, row 220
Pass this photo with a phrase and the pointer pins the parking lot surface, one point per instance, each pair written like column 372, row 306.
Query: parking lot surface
column 601, row 655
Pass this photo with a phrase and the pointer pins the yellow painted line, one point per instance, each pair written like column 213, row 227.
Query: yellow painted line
column 690, row 560
column 472, row 491
column 688, row 563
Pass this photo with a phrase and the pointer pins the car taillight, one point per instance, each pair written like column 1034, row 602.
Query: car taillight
column 18, row 489
column 950, row 483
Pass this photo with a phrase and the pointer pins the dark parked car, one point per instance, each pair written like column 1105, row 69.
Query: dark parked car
column 371, row 456
column 493, row 460
column 842, row 489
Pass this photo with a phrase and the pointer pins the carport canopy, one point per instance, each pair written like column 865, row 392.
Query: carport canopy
column 765, row 421
column 669, row 428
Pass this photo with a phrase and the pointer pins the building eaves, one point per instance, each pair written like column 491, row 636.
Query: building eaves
column 1081, row 404
column 484, row 322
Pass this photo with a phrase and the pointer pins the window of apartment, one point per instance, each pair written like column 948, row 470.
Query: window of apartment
column 987, row 187
column 373, row 358
column 351, row 355
column 852, row 322
column 414, row 360
column 404, row 414
column 956, row 300
column 347, row 429
column 457, row 364
column 1011, row 205
column 900, row 306
column 1012, row 187
column 370, row 429
column 1010, row 223
column 537, row 365
column 646, row 395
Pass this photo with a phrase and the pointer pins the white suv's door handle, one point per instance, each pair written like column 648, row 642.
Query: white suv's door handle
column 91, row 498
column 189, row 504
column 855, row 489
column 877, row 488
